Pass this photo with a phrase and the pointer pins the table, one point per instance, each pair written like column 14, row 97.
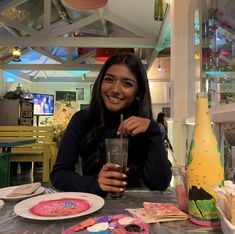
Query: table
column 7, row 144
column 11, row 223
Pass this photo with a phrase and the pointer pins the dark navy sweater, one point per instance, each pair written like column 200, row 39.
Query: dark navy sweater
column 147, row 158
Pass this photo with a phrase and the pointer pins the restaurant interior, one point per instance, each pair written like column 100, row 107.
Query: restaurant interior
column 55, row 49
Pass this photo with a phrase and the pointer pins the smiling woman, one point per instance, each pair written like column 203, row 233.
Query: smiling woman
column 121, row 88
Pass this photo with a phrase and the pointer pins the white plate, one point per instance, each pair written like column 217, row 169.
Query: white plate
column 1, row 204
column 22, row 208
column 5, row 191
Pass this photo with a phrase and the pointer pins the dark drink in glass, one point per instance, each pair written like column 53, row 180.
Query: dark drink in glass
column 117, row 152
column 118, row 195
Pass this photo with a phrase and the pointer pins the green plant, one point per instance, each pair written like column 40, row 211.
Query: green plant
column 64, row 109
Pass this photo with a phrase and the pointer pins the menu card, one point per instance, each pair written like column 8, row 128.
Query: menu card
column 158, row 212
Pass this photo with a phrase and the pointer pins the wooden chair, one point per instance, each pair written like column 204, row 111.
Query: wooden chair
column 43, row 151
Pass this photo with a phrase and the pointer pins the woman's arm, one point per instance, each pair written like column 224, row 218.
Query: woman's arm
column 148, row 155
column 63, row 175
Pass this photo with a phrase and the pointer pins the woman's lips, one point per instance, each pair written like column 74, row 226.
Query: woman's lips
column 114, row 99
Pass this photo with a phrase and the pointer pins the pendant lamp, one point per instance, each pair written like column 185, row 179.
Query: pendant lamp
column 16, row 53
column 102, row 54
column 158, row 10
column 84, row 4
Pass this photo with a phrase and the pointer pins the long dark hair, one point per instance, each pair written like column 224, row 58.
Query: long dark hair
column 93, row 144
column 160, row 118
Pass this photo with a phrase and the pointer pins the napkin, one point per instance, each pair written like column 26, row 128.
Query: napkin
column 25, row 189
column 142, row 214
column 158, row 212
column 164, row 211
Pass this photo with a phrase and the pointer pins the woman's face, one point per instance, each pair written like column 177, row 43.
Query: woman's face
column 118, row 88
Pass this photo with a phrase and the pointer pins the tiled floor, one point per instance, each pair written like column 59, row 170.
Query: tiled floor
column 26, row 175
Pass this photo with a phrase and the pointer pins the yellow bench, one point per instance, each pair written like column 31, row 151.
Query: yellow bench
column 44, row 150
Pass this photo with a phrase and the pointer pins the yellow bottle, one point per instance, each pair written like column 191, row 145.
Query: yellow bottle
column 205, row 167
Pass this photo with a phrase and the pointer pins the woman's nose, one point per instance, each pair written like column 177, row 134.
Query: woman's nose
column 116, row 87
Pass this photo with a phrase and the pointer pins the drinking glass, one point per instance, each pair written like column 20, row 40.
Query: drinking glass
column 117, row 152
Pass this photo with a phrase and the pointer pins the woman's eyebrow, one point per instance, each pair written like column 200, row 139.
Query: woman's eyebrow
column 108, row 74
column 124, row 78
column 129, row 79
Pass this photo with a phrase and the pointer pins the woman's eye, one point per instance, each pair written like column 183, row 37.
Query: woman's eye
column 108, row 79
column 128, row 83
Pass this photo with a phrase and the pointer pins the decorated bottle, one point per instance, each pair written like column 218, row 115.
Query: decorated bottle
column 205, row 168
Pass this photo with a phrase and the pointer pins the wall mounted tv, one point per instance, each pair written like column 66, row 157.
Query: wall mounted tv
column 43, row 104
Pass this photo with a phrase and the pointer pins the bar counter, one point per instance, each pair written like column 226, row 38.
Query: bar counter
column 11, row 223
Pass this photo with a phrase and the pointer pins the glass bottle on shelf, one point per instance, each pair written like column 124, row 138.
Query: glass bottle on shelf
column 205, row 168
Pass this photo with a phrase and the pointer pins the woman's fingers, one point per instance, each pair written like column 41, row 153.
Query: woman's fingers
column 133, row 126
column 110, row 166
column 108, row 188
column 111, row 180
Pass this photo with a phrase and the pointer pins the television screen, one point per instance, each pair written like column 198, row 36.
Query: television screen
column 43, row 104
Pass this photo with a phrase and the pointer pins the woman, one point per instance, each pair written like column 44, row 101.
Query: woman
column 162, row 124
column 120, row 88
column 161, row 121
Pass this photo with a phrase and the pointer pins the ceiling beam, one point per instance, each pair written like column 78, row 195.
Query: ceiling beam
column 75, row 26
column 48, row 54
column 10, row 4
column 125, row 24
column 65, row 79
column 165, row 23
column 103, row 21
column 84, row 57
column 12, row 31
column 60, row 67
column 21, row 27
column 47, row 16
column 89, row 42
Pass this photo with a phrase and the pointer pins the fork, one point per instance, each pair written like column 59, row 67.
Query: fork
column 51, row 190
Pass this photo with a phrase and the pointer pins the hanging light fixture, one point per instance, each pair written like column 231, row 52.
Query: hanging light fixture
column 159, row 65
column 16, row 53
column 158, row 10
column 84, row 4
column 102, row 54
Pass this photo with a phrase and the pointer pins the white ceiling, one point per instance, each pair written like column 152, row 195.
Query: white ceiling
column 45, row 30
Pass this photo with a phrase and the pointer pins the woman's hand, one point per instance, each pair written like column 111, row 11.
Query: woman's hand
column 133, row 126
column 110, row 180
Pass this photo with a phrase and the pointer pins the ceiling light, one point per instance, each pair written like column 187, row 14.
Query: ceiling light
column 159, row 68
column 84, row 4
column 16, row 53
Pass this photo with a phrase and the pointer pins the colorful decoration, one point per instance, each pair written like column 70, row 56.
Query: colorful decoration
column 119, row 223
column 205, row 167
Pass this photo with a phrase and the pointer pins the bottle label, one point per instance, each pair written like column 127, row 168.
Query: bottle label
column 204, row 169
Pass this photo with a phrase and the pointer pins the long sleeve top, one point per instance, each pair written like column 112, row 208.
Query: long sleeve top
column 147, row 159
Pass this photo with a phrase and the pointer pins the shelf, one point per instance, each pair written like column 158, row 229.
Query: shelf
column 223, row 113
